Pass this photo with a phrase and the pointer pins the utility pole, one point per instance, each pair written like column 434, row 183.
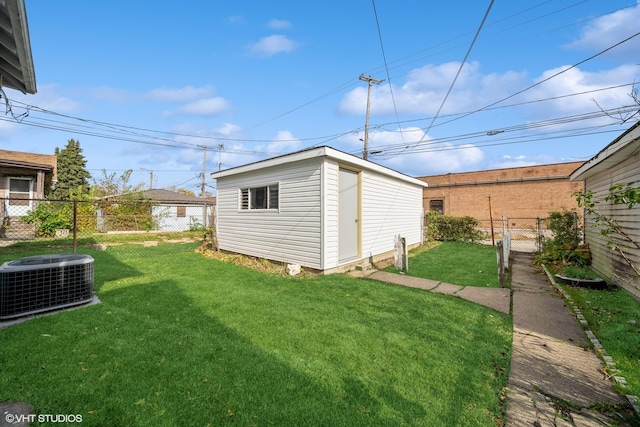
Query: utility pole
column 370, row 80
column 150, row 177
column 204, row 169
column 220, row 147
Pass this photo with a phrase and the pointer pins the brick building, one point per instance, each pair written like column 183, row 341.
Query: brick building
column 24, row 179
column 522, row 192
column 26, row 175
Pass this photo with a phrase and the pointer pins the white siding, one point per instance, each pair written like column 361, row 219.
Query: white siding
column 167, row 219
column 330, row 223
column 604, row 259
column 390, row 207
column 291, row 234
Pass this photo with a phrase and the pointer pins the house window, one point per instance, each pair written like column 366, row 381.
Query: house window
column 259, row 197
column 437, row 205
column 19, row 191
column 181, row 211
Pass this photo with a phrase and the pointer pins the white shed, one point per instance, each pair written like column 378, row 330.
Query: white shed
column 320, row 208
column 618, row 162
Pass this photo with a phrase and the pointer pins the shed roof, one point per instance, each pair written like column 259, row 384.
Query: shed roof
column 315, row 152
column 618, row 150
column 16, row 62
column 168, row 196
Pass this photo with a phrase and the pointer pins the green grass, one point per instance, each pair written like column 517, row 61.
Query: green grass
column 614, row 317
column 179, row 339
column 457, row 263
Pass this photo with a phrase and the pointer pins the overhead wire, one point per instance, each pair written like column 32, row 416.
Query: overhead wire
column 386, row 66
column 137, row 135
column 546, row 79
column 466, row 56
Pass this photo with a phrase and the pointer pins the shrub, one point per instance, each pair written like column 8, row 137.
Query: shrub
column 564, row 247
column 46, row 219
column 452, row 229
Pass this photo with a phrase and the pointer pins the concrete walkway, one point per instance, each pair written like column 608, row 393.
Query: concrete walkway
column 496, row 298
column 554, row 379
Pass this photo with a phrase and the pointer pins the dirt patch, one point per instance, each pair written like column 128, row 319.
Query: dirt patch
column 260, row 264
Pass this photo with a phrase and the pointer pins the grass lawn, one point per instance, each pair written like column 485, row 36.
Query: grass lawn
column 457, row 263
column 614, row 317
column 180, row 339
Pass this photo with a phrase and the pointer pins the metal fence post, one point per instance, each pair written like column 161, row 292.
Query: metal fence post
column 75, row 226
column 540, row 236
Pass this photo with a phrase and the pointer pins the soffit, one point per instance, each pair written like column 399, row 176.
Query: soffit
column 16, row 62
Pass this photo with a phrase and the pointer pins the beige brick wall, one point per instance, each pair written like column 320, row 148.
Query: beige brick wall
column 523, row 192
column 41, row 178
column 41, row 159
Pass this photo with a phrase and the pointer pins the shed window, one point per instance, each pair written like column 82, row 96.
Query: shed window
column 181, row 211
column 256, row 198
column 437, row 205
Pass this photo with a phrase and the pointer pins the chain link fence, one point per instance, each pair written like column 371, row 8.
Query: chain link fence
column 525, row 234
column 133, row 225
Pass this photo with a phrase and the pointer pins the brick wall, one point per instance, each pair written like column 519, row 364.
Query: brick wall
column 523, row 192
column 41, row 159
column 41, row 167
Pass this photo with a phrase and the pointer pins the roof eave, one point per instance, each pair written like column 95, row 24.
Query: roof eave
column 618, row 150
column 19, row 71
column 324, row 151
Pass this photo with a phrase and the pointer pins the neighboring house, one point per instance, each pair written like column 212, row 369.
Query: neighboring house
column 175, row 211
column 171, row 210
column 23, row 180
column 320, row 208
column 522, row 192
column 618, row 162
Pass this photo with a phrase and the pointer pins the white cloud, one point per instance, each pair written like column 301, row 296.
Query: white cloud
column 272, row 45
column 415, row 160
column 445, row 159
column 279, row 24
column 228, row 129
column 110, row 94
column 204, row 107
column 426, row 87
column 183, row 94
column 236, row 19
column 283, row 143
column 577, row 81
column 607, row 30
column 49, row 99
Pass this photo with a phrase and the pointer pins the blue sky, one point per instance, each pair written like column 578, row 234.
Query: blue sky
column 143, row 84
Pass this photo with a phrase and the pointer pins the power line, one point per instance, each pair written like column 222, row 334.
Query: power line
column 466, row 56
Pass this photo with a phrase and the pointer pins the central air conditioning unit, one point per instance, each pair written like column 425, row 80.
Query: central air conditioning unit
column 43, row 283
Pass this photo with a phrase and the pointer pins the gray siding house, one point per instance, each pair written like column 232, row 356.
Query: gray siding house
column 320, row 208
column 618, row 162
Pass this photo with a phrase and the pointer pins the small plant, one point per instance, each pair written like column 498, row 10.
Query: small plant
column 46, row 219
column 195, row 225
column 564, row 247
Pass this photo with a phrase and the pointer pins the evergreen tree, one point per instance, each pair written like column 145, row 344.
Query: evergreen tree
column 73, row 177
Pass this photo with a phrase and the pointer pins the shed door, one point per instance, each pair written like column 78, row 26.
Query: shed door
column 348, row 225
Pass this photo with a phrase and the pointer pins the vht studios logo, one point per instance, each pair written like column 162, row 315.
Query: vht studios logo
column 43, row 418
